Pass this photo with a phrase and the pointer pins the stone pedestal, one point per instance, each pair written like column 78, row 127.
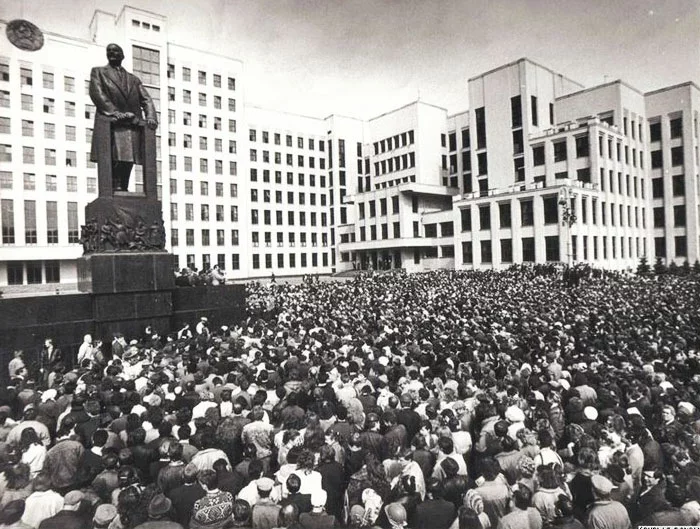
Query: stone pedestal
column 129, row 290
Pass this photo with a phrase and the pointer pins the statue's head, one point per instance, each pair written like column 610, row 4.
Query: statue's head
column 115, row 54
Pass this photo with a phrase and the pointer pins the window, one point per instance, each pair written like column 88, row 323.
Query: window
column 234, row 238
column 655, row 131
column 204, row 188
column 486, row 256
column 70, row 109
column 5, row 180
column 5, row 126
column 467, row 253
column 30, row 233
column 676, row 128
column 538, row 155
column 8, row 221
column 52, row 222
column 551, row 245
column 681, row 245
column 518, row 141
column 50, row 156
column 26, row 78
column 482, row 163
column 676, row 156
column 657, row 160
column 504, row 215
column 72, row 184
column 485, row 217
column 231, row 83
column 4, row 99
column 27, row 102
column 533, row 110
column 5, row 153
column 189, row 237
column 49, row 105
column 4, row 70
column 679, row 215
column 516, row 113
column 480, row 115
column 52, row 272
column 560, row 151
column 506, row 250
column 73, row 223
column 659, row 220
column 582, row 146
column 187, row 98
column 146, row 65
column 526, row 213
column 584, row 174
column 551, row 209
column 678, row 185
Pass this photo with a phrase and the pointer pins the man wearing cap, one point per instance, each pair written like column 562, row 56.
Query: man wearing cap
column 159, row 514
column 104, row 515
column 606, row 513
column 265, row 512
column 70, row 515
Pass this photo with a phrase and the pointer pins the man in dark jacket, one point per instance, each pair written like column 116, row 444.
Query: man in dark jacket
column 435, row 512
column 185, row 496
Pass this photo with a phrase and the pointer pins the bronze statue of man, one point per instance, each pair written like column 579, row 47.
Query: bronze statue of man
column 121, row 96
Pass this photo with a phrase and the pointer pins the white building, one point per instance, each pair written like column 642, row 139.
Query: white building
column 261, row 191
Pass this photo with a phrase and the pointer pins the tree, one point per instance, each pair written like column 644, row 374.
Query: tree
column 673, row 269
column 696, row 267
column 643, row 268
column 659, row 267
column 685, row 268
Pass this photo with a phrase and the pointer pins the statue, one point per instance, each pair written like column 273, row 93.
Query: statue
column 120, row 96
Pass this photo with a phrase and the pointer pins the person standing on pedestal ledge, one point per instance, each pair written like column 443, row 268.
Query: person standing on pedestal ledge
column 121, row 96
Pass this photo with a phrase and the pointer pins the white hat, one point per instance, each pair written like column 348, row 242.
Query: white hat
column 515, row 414
column 590, row 413
column 49, row 394
column 565, row 384
column 633, row 411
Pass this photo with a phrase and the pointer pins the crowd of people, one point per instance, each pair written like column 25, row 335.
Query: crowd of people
column 523, row 399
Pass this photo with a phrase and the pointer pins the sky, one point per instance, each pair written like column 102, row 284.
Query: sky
column 362, row 58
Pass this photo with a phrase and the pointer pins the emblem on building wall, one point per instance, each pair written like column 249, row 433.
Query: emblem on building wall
column 24, row 35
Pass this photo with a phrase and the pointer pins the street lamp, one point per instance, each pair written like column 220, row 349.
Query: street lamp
column 568, row 218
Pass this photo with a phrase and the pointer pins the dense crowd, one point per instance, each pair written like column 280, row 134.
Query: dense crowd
column 534, row 397
column 191, row 277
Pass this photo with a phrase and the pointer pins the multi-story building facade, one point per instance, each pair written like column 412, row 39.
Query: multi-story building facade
column 538, row 169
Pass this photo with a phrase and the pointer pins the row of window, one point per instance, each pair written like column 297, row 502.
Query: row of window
column 291, row 238
column 29, row 182
column 203, row 212
column 594, row 247
column 30, row 222
column 203, row 166
column 217, row 101
column 48, row 106
column 393, row 142
column 396, row 163
column 679, row 216
column 28, row 156
column 279, row 218
column 35, row 272
column 301, row 198
column 291, row 259
column 301, row 178
column 617, row 214
column 675, row 129
column 204, row 188
column 205, row 239
column 220, row 260
column 289, row 140
column 372, row 207
column 289, row 159
column 201, row 77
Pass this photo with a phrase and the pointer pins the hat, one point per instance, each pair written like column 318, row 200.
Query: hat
column 203, row 318
column 264, row 484
column 686, row 408
column 74, row 497
column 104, row 514
column 318, row 498
column 590, row 413
column 49, row 394
column 633, row 411
column 159, row 506
column 601, row 485
column 565, row 384
column 515, row 414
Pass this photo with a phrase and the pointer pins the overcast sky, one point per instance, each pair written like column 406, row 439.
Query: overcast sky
column 364, row 57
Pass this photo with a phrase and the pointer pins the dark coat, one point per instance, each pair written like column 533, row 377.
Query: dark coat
column 114, row 93
column 64, row 519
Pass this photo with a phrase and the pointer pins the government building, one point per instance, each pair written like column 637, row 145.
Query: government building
column 538, row 169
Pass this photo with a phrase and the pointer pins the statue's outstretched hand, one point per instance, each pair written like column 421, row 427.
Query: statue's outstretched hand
column 152, row 123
